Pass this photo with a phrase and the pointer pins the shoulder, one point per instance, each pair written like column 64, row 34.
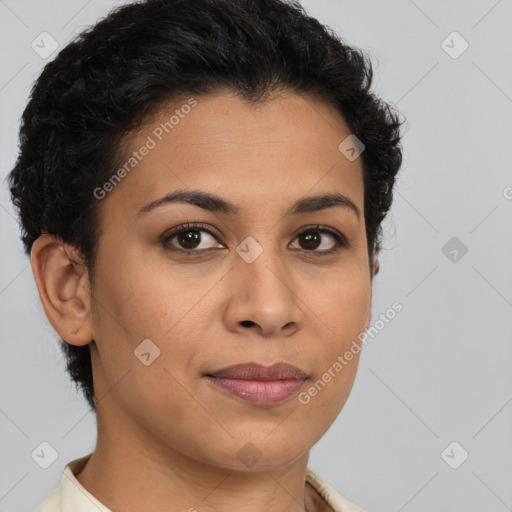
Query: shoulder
column 337, row 502
column 70, row 495
column 51, row 503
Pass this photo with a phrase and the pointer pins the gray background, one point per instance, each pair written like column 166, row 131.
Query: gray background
column 439, row 371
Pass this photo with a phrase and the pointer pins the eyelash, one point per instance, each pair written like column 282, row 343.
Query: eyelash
column 341, row 242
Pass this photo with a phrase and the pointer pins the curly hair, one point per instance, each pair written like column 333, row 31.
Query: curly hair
column 115, row 74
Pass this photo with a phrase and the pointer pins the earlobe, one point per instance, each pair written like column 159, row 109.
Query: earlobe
column 368, row 318
column 376, row 266
column 63, row 285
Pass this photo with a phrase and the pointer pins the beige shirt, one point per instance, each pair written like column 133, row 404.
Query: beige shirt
column 71, row 496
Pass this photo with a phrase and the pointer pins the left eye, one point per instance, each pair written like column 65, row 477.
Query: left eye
column 312, row 238
column 188, row 239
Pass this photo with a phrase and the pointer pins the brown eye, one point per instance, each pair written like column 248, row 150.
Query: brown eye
column 188, row 238
column 310, row 240
column 313, row 238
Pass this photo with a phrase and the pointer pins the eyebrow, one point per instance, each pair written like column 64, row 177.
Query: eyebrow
column 216, row 204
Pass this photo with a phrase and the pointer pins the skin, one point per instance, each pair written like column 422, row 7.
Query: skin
column 167, row 438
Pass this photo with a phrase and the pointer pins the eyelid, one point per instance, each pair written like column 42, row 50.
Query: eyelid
column 192, row 226
column 320, row 227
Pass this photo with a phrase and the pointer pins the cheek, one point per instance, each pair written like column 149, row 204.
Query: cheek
column 135, row 300
column 124, row 311
column 342, row 307
column 341, row 315
column 127, row 313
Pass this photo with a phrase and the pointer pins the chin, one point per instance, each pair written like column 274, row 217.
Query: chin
column 257, row 455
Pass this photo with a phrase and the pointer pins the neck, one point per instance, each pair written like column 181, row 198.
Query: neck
column 130, row 472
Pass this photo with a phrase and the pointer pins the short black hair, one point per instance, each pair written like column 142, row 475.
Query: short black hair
column 115, row 74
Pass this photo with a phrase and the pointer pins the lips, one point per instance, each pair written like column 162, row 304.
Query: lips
column 254, row 371
column 263, row 385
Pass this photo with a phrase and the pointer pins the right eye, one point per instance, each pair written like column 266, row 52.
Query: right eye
column 188, row 238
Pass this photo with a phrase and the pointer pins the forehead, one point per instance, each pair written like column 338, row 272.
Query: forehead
column 255, row 154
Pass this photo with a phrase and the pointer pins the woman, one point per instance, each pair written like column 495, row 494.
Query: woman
column 201, row 186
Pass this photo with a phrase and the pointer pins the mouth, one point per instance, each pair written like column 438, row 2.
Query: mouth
column 258, row 384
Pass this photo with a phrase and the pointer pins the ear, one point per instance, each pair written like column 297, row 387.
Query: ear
column 375, row 271
column 376, row 266
column 368, row 319
column 63, row 283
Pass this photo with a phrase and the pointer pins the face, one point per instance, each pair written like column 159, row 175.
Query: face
column 170, row 308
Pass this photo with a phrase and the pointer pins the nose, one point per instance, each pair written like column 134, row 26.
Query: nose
column 264, row 297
